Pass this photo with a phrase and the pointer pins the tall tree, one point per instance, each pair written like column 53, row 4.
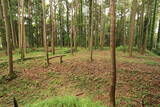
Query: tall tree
column 153, row 25
column 8, row 35
column 74, row 26
column 91, row 28
column 81, row 33
column 141, row 23
column 44, row 32
column 22, row 42
column 158, row 36
column 30, row 20
column 113, row 51
column 132, row 26
column 146, row 27
column 2, row 31
column 101, row 33
column 52, row 26
column 67, row 18
column 12, row 27
column 72, row 30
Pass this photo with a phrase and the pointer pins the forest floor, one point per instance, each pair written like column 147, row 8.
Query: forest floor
column 138, row 78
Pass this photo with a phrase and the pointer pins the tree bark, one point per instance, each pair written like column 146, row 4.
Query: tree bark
column 113, row 51
column 91, row 29
column 44, row 32
column 145, row 32
column 71, row 38
column 153, row 25
column 67, row 19
column 101, row 34
column 158, row 37
column 8, row 36
column 22, row 29
column 132, row 26
column 53, row 27
column 3, row 36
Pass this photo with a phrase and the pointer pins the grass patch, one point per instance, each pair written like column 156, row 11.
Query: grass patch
column 152, row 63
column 68, row 101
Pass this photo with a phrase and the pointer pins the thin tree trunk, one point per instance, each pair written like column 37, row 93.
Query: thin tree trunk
column 53, row 27
column 75, row 29
column 44, row 32
column 67, row 19
column 8, row 36
column 132, row 26
column 12, row 28
column 91, row 29
column 123, row 32
column 158, row 36
column 21, row 29
column 141, row 25
column 146, row 28
column 3, row 36
column 113, row 51
column 101, row 35
column 153, row 25
column 71, row 38
column 19, row 25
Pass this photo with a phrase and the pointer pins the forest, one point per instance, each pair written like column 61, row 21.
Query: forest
column 79, row 53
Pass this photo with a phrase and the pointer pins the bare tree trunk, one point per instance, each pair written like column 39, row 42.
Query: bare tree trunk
column 158, row 37
column 12, row 28
column 101, row 35
column 132, row 26
column 44, row 32
column 153, row 25
column 22, row 29
column 8, row 36
column 141, row 23
column 113, row 51
column 3, row 36
column 145, row 33
column 91, row 29
column 67, row 19
column 19, row 26
column 72, row 30
column 53, row 27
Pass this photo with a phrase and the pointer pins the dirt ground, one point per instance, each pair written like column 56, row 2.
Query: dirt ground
column 138, row 79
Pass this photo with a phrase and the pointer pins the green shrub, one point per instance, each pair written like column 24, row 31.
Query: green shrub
column 122, row 48
column 156, row 51
column 69, row 101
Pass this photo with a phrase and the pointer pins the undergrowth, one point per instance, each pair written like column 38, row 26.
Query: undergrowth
column 68, row 101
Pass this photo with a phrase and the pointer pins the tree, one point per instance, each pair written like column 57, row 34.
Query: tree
column 158, row 36
column 29, row 22
column 44, row 32
column 141, row 23
column 113, row 51
column 91, row 29
column 72, row 30
column 53, row 27
column 22, row 42
column 2, row 30
column 132, row 26
column 101, row 33
column 8, row 35
column 146, row 27
column 67, row 18
column 153, row 25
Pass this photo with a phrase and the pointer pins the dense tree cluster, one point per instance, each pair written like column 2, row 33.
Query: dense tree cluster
column 68, row 24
